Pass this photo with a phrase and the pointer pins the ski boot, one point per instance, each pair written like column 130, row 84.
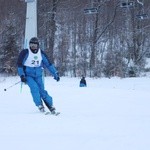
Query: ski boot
column 52, row 110
column 41, row 108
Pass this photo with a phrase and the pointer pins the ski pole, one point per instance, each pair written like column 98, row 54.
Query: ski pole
column 12, row 86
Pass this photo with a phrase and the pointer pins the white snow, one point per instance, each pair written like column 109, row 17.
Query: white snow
column 108, row 114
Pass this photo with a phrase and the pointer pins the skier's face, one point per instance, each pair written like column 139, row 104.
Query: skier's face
column 34, row 47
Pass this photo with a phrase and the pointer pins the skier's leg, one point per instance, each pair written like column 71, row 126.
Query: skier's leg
column 44, row 94
column 34, row 89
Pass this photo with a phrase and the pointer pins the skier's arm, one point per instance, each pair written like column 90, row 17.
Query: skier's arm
column 50, row 66
column 20, row 62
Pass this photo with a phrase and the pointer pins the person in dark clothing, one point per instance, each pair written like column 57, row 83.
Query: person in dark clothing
column 30, row 67
column 83, row 82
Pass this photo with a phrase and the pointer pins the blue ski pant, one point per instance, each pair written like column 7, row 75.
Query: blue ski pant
column 37, row 90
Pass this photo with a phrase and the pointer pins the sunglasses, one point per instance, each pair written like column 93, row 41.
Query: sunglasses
column 34, row 45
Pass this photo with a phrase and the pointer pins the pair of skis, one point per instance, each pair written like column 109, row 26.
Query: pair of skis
column 54, row 114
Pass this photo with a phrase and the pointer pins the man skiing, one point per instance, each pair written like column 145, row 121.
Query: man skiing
column 30, row 65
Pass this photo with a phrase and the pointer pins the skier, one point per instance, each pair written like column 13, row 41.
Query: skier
column 83, row 82
column 30, row 65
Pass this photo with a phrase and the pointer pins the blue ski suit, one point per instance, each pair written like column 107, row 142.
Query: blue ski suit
column 34, row 79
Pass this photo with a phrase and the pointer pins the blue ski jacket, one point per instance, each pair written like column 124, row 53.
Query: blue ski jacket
column 34, row 71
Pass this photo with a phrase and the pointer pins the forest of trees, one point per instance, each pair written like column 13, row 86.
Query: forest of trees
column 113, row 40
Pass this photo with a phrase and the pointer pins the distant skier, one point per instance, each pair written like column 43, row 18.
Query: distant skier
column 83, row 82
column 30, row 64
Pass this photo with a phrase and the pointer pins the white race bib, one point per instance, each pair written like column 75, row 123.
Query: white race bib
column 33, row 60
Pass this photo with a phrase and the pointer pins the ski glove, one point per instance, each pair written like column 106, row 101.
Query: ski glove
column 56, row 77
column 23, row 79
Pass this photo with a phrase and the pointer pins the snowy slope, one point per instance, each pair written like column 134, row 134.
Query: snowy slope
column 109, row 114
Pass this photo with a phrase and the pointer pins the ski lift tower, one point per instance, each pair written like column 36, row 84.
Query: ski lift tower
column 31, row 21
